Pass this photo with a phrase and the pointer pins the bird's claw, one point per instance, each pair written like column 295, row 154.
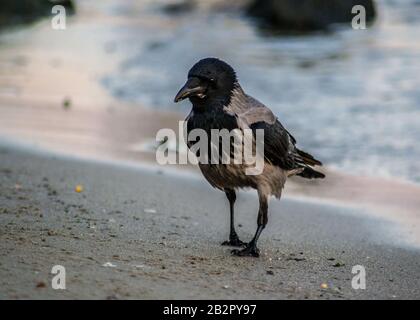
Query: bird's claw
column 234, row 242
column 248, row 251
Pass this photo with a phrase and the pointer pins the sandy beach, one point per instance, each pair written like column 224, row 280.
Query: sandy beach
column 133, row 232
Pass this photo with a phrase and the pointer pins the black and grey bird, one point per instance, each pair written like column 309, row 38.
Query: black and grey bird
column 218, row 102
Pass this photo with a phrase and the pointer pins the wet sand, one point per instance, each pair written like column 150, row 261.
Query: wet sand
column 134, row 233
column 175, row 252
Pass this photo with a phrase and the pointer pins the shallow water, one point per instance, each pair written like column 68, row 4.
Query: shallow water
column 350, row 97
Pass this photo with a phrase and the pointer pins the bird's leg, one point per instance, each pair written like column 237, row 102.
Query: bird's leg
column 233, row 237
column 251, row 248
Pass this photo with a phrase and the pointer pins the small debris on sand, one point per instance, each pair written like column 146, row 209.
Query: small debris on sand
column 339, row 264
column 109, row 265
column 66, row 103
column 295, row 259
column 149, row 210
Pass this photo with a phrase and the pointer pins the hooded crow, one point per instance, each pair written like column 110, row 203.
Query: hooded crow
column 218, row 102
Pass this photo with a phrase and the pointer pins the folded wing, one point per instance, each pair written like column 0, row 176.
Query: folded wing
column 279, row 145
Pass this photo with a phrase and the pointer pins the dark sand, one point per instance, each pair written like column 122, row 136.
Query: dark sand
column 162, row 231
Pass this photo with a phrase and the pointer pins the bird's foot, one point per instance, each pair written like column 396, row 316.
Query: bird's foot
column 234, row 242
column 249, row 251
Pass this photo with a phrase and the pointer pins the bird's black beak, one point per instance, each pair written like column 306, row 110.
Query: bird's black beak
column 193, row 87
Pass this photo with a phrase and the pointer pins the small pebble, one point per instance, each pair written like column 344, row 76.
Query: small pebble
column 109, row 265
column 149, row 211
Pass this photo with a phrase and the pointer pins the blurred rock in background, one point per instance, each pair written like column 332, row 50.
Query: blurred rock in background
column 307, row 15
column 179, row 7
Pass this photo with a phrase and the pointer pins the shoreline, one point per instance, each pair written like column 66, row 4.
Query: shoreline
column 405, row 221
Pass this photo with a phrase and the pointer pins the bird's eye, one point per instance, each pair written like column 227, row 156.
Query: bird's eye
column 212, row 82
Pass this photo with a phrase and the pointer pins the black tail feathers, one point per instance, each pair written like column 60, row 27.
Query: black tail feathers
column 310, row 173
column 308, row 159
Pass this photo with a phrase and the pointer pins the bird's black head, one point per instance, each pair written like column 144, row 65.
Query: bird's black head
column 209, row 80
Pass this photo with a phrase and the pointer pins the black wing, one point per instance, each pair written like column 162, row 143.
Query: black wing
column 280, row 150
column 279, row 146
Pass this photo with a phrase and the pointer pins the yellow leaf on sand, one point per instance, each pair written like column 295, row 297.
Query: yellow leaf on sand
column 79, row 188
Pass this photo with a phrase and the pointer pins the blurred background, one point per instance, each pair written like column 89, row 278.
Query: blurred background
column 349, row 96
